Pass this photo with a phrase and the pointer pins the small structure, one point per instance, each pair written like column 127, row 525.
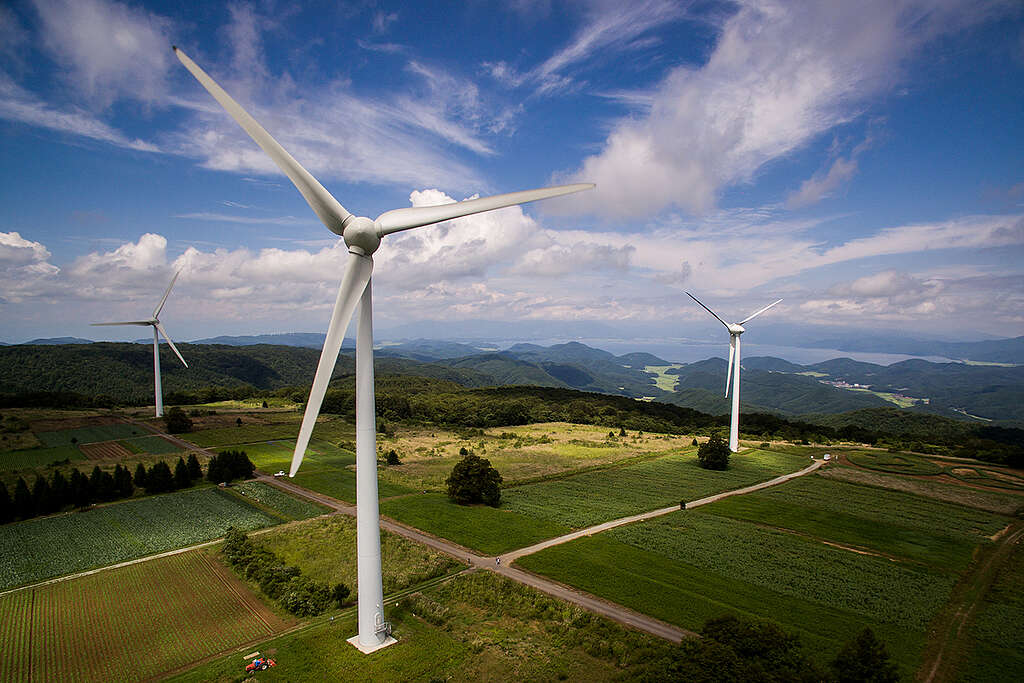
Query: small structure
column 827, row 457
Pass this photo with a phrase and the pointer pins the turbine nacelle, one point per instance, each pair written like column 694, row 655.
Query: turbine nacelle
column 362, row 234
column 736, row 328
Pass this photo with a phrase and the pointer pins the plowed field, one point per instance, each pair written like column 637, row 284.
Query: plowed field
column 108, row 450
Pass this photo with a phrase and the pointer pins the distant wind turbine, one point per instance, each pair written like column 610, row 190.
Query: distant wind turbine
column 158, row 329
column 735, row 330
column 362, row 237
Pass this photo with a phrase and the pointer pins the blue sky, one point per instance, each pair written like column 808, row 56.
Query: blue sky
column 860, row 160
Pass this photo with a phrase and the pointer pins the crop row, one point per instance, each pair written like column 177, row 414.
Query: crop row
column 793, row 565
column 594, row 497
column 275, row 499
column 111, row 432
column 39, row 549
column 131, row 623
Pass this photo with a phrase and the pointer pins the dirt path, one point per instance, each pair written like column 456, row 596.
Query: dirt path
column 948, row 632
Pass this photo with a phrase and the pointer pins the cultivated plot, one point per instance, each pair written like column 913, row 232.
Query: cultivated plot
column 129, row 623
column 39, row 549
column 110, row 432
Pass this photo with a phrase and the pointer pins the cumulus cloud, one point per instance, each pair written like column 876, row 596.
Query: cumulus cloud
column 780, row 75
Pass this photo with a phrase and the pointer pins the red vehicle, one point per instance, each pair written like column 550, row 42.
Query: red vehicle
column 259, row 664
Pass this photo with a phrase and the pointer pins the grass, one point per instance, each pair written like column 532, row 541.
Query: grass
column 476, row 627
column 230, row 436
column 129, row 623
column 276, row 501
column 999, row 642
column 662, row 380
column 112, row 432
column 325, row 550
column 488, row 530
column 39, row 549
column 593, row 497
column 38, row 457
column 996, row 478
column 645, row 567
column 897, row 463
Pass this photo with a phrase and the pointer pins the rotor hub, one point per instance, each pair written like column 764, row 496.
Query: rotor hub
column 736, row 329
column 361, row 233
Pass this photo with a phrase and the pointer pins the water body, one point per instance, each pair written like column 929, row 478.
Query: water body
column 688, row 351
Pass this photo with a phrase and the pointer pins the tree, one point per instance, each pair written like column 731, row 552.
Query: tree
column 392, row 458
column 140, row 476
column 622, row 431
column 181, row 478
column 238, row 422
column 473, row 480
column 24, row 507
column 123, row 484
column 6, row 505
column 713, row 454
column 228, row 465
column 59, row 490
column 177, row 421
column 159, row 479
column 865, row 659
column 194, row 470
column 694, row 441
column 81, row 491
column 341, row 593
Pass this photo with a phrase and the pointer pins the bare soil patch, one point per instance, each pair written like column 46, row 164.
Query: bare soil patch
column 58, row 424
column 107, row 450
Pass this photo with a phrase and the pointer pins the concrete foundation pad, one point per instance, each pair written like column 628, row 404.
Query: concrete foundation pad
column 354, row 640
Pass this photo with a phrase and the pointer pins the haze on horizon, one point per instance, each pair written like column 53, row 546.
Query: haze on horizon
column 860, row 163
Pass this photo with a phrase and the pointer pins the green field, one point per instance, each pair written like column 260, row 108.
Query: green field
column 593, row 497
column 228, row 436
column 897, row 463
column 151, row 444
column 277, row 502
column 688, row 567
column 488, row 530
column 476, row 627
column 998, row 653
column 325, row 550
column 129, row 623
column 38, row 457
column 900, row 524
column 112, row 432
column 39, row 549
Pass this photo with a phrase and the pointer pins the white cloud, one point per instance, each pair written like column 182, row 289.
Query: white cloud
column 780, row 75
column 110, row 50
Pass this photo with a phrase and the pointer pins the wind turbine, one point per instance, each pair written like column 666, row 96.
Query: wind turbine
column 158, row 329
column 735, row 330
column 362, row 236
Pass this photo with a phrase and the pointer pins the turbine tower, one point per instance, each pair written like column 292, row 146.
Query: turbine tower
column 735, row 330
column 362, row 237
column 158, row 329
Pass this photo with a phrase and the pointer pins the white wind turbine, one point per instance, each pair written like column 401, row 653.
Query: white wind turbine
column 735, row 330
column 158, row 329
column 362, row 237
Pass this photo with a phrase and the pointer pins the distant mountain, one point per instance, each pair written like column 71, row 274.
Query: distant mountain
column 53, row 341
column 427, row 349
column 640, row 360
column 771, row 364
column 465, row 330
column 311, row 340
column 990, row 351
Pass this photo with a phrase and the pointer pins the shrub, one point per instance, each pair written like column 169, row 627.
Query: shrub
column 473, row 480
column 713, row 454
column 177, row 421
column 392, row 458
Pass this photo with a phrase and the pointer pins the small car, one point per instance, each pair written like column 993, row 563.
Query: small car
column 280, row 474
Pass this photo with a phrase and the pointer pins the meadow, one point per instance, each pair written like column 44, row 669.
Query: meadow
column 488, row 530
column 325, row 550
column 276, row 502
column 38, row 457
column 151, row 444
column 129, row 623
column 594, row 497
column 109, row 432
column 998, row 653
column 39, row 549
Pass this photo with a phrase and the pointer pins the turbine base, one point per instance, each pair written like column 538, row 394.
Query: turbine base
column 367, row 649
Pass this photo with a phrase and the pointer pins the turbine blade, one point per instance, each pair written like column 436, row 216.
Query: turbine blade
column 160, row 306
column 127, row 322
column 319, row 199
column 171, row 343
column 728, row 376
column 708, row 310
column 416, row 216
column 759, row 312
column 357, row 275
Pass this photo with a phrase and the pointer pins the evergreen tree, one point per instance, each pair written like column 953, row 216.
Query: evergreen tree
column 177, row 421
column 140, row 476
column 123, row 483
column 24, row 508
column 215, row 470
column 194, row 470
column 181, row 478
column 6, row 505
column 96, row 483
column 159, row 479
column 81, row 491
column 41, row 498
column 714, row 453
column 865, row 660
column 60, row 490
column 108, row 489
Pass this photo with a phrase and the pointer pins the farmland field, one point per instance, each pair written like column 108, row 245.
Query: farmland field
column 898, row 463
column 998, row 653
column 485, row 529
column 325, row 550
column 278, row 501
column 594, row 497
column 106, row 450
column 38, row 457
column 129, row 623
column 39, row 549
column 110, row 432
column 157, row 445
